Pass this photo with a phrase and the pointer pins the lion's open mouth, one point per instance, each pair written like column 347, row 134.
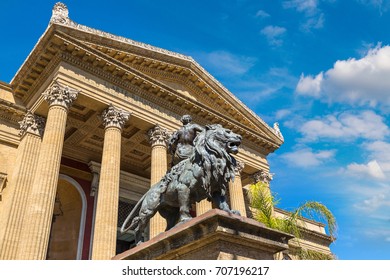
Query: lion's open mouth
column 233, row 146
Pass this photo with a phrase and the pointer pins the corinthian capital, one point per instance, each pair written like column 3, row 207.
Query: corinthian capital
column 158, row 136
column 31, row 124
column 239, row 167
column 60, row 95
column 114, row 117
column 262, row 176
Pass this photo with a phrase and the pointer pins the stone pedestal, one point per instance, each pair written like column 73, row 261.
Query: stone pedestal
column 215, row 235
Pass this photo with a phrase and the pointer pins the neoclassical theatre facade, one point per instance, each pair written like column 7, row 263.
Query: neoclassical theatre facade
column 84, row 126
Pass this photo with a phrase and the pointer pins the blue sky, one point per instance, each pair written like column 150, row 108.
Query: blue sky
column 321, row 68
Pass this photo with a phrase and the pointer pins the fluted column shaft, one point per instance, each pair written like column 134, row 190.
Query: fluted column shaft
column 37, row 222
column 158, row 138
column 21, row 182
column 105, row 231
column 203, row 206
column 236, row 193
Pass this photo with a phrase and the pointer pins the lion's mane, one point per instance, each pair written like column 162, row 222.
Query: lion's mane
column 217, row 164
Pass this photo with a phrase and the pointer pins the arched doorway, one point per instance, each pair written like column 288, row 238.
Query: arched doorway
column 67, row 229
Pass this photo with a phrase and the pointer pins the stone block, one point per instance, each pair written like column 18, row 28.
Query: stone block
column 214, row 235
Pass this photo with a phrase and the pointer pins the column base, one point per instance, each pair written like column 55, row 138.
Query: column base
column 215, row 235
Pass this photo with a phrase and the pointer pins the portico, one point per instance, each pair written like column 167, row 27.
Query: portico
column 109, row 105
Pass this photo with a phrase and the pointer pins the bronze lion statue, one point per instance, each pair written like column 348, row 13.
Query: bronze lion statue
column 205, row 174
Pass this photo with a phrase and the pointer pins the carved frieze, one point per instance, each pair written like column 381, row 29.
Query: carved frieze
column 158, row 136
column 114, row 117
column 32, row 124
column 60, row 95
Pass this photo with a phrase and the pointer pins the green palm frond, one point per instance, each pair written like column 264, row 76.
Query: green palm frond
column 315, row 209
column 263, row 202
column 304, row 254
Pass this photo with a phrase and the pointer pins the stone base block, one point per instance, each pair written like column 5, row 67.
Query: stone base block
column 215, row 235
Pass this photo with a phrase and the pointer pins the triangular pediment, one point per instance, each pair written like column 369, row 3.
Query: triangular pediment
column 177, row 75
column 170, row 76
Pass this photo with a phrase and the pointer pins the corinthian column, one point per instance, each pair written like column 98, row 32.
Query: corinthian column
column 37, row 222
column 236, row 194
column 105, row 231
column 31, row 129
column 158, row 138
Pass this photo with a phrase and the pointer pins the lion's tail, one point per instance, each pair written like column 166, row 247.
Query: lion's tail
column 132, row 217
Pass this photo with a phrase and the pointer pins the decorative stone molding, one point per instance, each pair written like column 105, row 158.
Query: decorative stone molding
column 114, row 117
column 239, row 167
column 60, row 14
column 60, row 95
column 32, row 124
column 158, row 136
column 277, row 131
column 262, row 176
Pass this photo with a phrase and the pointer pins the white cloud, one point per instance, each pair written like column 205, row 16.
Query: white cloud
column 374, row 202
column 308, row 7
column 309, row 85
column 226, row 63
column 371, row 169
column 346, row 126
column 281, row 114
column 353, row 81
column 380, row 151
column 378, row 233
column 274, row 34
column 307, row 158
column 378, row 166
column 263, row 86
column 314, row 18
column 313, row 23
column 262, row 14
column 381, row 5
